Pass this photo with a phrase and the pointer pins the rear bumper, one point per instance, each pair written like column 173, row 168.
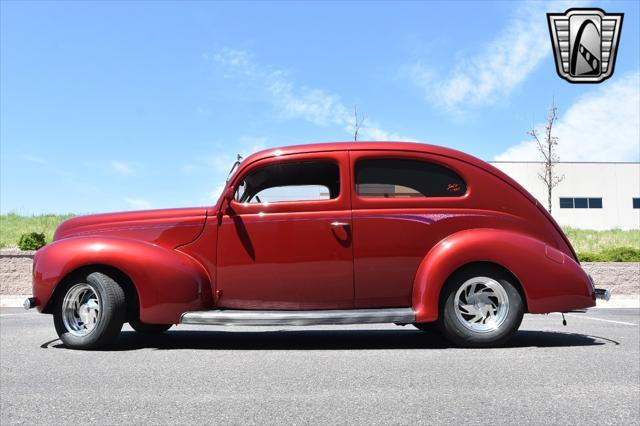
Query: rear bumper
column 599, row 293
column 30, row 302
column 602, row 293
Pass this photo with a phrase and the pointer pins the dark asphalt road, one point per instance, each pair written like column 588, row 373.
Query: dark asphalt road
column 587, row 372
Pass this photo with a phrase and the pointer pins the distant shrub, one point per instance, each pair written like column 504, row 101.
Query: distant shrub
column 31, row 241
column 587, row 256
column 590, row 241
column 617, row 254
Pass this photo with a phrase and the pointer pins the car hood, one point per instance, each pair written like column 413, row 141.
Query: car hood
column 167, row 227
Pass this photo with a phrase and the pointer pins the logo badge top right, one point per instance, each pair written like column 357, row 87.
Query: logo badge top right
column 585, row 43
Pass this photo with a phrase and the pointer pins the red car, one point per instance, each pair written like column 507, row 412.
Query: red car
column 338, row 233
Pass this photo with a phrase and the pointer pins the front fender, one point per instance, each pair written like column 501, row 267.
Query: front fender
column 168, row 282
column 551, row 281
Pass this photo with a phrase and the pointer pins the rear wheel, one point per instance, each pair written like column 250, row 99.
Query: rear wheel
column 480, row 308
column 89, row 312
column 143, row 328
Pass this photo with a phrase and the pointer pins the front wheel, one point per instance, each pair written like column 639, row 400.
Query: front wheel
column 89, row 312
column 480, row 308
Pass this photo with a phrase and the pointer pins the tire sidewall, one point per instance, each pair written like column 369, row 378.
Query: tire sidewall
column 462, row 336
column 112, row 312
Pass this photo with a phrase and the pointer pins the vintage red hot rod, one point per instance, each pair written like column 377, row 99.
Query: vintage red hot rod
column 336, row 233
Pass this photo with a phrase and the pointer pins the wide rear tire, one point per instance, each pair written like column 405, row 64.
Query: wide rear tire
column 480, row 307
column 89, row 311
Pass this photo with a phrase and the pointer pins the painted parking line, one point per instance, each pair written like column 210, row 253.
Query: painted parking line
column 600, row 319
column 10, row 315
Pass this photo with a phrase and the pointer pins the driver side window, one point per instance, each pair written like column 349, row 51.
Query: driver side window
column 296, row 181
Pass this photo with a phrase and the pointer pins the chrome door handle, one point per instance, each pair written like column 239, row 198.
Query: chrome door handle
column 337, row 224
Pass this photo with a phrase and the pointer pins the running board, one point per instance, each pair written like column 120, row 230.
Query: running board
column 348, row 316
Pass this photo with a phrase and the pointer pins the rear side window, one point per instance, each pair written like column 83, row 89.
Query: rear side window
column 400, row 178
column 301, row 181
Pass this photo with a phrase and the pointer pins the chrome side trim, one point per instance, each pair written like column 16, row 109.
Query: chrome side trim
column 350, row 316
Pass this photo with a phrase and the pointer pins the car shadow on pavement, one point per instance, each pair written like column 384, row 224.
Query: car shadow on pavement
column 326, row 340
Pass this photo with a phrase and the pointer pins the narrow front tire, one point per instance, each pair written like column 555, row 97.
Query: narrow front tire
column 89, row 311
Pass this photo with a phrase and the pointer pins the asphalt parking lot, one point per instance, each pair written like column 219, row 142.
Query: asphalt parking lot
column 587, row 372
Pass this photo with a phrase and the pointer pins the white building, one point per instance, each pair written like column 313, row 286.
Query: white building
column 591, row 195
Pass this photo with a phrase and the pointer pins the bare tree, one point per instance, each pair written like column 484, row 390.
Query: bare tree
column 547, row 146
column 358, row 123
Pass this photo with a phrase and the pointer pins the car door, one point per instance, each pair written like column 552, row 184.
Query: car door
column 401, row 202
column 285, row 237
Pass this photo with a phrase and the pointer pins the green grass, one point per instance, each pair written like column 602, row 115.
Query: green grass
column 613, row 245
column 12, row 226
column 619, row 254
column 605, row 246
column 593, row 241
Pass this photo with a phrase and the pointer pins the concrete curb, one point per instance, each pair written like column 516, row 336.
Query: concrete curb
column 16, row 252
column 617, row 301
column 14, row 301
column 620, row 301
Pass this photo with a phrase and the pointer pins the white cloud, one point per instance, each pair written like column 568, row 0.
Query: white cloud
column 35, row 159
column 188, row 168
column 121, row 168
column 236, row 58
column 603, row 125
column 215, row 194
column 221, row 163
column 250, row 144
column 292, row 101
column 497, row 69
column 138, row 203
column 200, row 110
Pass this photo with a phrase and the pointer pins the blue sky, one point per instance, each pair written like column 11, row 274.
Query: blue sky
column 128, row 105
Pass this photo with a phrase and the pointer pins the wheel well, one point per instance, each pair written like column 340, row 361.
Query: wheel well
column 130, row 292
column 487, row 267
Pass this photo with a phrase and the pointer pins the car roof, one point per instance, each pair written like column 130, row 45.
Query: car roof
column 359, row 146
column 384, row 146
column 400, row 146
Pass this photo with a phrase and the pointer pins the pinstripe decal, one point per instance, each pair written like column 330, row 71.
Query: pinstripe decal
column 426, row 218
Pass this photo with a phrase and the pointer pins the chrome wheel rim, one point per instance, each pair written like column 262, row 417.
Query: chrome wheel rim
column 81, row 310
column 481, row 304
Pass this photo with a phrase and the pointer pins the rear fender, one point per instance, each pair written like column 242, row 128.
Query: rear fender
column 550, row 280
column 168, row 282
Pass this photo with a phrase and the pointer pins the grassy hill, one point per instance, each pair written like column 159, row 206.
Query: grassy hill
column 13, row 225
column 612, row 245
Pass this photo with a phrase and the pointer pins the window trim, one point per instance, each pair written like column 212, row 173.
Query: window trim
column 587, row 207
column 401, row 202
column 595, row 198
column 581, row 206
column 341, row 202
column 565, row 198
column 279, row 163
column 294, row 201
